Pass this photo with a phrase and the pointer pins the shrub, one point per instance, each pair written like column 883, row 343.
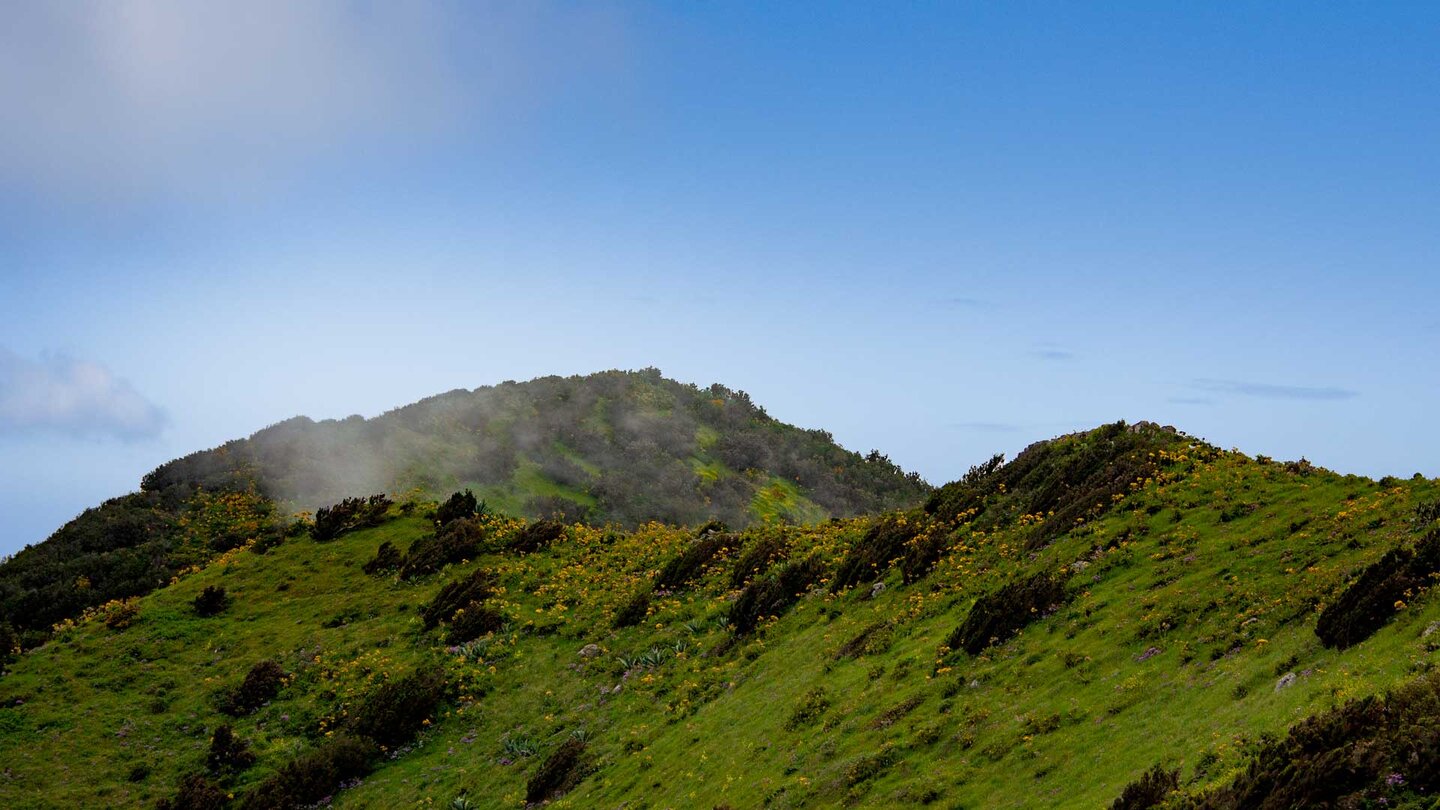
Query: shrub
column 1149, row 790
column 314, row 775
column 472, row 622
column 874, row 638
column 869, row 766
column 211, row 601
column 812, row 706
column 1001, row 614
column 228, row 752
column 387, row 558
column 559, row 773
column 121, row 614
column 873, row 553
column 197, row 792
column 1378, row 593
column 773, row 593
column 635, row 610
column 690, row 564
column 922, row 554
column 459, row 506
column 757, row 558
column 262, row 683
column 455, row 595
column 461, row 540
column 536, row 536
column 349, row 515
column 396, row 710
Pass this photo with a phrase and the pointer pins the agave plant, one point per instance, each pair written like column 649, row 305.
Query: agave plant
column 462, row 803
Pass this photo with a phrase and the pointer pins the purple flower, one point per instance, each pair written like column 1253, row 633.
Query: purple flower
column 1395, row 780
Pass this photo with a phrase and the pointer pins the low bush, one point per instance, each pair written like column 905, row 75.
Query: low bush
column 197, row 792
column 455, row 595
column 922, row 554
column 472, row 622
column 681, row 570
column 120, row 614
column 387, row 558
column 458, row 506
column 756, row 559
column 211, row 601
column 812, row 706
column 873, row 554
column 314, row 775
column 772, row 594
column 395, row 711
column 349, row 515
column 1378, row 593
column 1149, row 790
column 874, row 638
column 262, row 683
column 228, row 752
column 536, row 536
column 459, row 541
column 635, row 610
column 559, row 773
column 997, row 616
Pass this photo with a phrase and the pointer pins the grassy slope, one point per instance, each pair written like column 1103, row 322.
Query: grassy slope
column 1064, row 715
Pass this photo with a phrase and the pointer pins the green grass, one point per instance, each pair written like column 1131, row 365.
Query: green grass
column 1063, row 715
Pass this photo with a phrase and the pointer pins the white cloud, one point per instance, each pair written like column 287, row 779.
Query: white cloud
column 137, row 97
column 62, row 395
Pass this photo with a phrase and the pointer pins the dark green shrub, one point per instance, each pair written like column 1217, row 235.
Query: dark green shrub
column 867, row 767
column 874, row 638
column 262, row 683
column 1149, row 790
column 1377, row 594
column 228, row 752
column 387, row 558
column 197, row 792
column 559, row 773
column 635, row 610
column 459, row 506
column 1001, row 614
column 211, row 601
column 349, row 515
column 459, row 541
column 922, row 554
column 314, row 775
column 772, row 594
column 872, row 555
column 756, row 559
column 395, row 711
column 472, row 622
column 455, row 595
column 680, row 571
column 812, row 706
column 536, row 536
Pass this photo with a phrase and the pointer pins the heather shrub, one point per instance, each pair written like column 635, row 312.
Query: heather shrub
column 922, row 554
column 197, row 792
column 559, row 773
column 1378, row 593
column 812, row 706
column 396, row 710
column 997, row 616
column 314, row 775
column 872, row 555
column 536, row 536
column 387, row 558
column 455, row 595
column 873, row 639
column 458, row 506
column 757, row 557
column 460, row 540
column 119, row 614
column 1149, row 790
column 349, row 515
column 635, row 610
column 772, row 594
column 262, row 683
column 868, row 766
column 472, row 622
column 228, row 752
column 211, row 601
column 681, row 570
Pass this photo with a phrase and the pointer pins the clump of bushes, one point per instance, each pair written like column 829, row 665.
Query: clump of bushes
column 211, row 601
column 349, row 515
column 262, row 683
column 559, row 773
column 1149, row 790
column 315, row 774
column 120, row 614
column 456, row 595
column 634, row 610
column 396, row 710
column 458, row 506
column 387, row 558
column 1001, row 614
column 874, row 638
column 756, row 559
column 680, row 571
column 460, row 540
column 228, row 752
column 922, row 553
column 197, row 792
column 871, row 556
column 772, row 594
column 868, row 766
column 812, row 706
column 1378, row 593
column 536, row 536
column 472, row 622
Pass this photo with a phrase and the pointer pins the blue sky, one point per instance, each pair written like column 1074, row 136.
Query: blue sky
column 940, row 230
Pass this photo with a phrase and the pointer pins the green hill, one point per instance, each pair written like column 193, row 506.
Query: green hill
column 1124, row 612
column 614, row 447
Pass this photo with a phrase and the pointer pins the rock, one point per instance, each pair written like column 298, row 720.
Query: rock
column 1079, row 565
column 1286, row 681
column 876, row 589
column 590, row 651
column 1430, row 629
column 1149, row 653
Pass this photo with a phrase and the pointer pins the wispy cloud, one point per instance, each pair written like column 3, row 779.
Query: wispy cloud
column 1191, row 400
column 987, row 427
column 60, row 394
column 1052, row 353
column 1273, row 391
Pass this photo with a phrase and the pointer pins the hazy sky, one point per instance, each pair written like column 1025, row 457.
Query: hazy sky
column 940, row 230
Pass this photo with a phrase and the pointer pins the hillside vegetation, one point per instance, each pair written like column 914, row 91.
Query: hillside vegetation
column 614, row 447
column 1122, row 616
